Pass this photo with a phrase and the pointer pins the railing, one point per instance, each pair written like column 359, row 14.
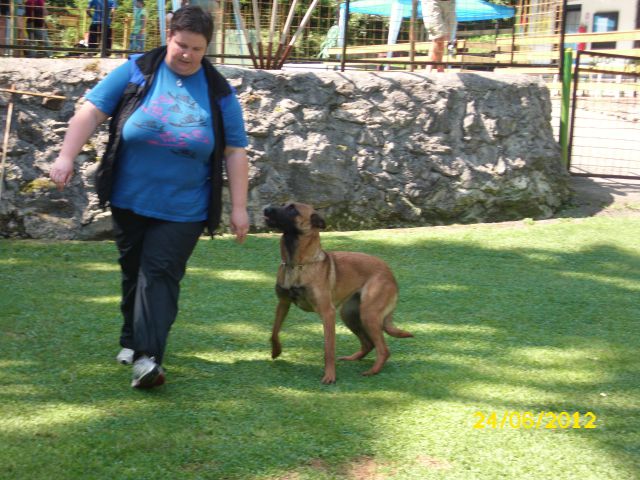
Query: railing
column 517, row 51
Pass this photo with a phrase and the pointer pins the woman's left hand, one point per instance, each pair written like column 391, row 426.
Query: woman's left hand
column 61, row 172
column 240, row 223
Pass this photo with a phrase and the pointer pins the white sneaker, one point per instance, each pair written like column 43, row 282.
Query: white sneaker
column 147, row 373
column 125, row 356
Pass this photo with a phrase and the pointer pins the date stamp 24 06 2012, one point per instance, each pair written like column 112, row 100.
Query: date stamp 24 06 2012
column 534, row 420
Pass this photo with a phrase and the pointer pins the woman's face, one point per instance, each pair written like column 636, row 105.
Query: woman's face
column 185, row 51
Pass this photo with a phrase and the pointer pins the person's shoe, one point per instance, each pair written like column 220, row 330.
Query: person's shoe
column 125, row 356
column 147, row 373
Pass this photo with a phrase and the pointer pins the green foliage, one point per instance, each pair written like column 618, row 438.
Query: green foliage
column 531, row 316
column 62, row 3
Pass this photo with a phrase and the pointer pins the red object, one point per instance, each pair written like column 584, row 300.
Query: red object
column 582, row 45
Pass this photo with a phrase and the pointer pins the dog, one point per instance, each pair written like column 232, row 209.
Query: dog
column 361, row 286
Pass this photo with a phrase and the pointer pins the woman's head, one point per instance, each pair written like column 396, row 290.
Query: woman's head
column 194, row 19
column 190, row 33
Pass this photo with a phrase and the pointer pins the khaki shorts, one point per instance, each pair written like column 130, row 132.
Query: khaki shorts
column 440, row 18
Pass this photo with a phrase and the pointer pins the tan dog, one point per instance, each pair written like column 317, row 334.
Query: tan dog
column 362, row 286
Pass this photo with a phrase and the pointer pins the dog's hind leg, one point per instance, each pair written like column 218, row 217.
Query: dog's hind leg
column 350, row 314
column 372, row 324
column 377, row 304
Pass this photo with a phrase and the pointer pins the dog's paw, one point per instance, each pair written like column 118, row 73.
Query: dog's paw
column 276, row 350
column 329, row 379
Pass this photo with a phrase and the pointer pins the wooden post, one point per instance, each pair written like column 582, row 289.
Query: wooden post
column 412, row 34
column 343, row 58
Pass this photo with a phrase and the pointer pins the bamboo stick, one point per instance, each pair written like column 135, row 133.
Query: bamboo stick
column 272, row 30
column 256, row 21
column 285, row 33
column 238, row 14
column 301, row 27
column 35, row 94
column 5, row 142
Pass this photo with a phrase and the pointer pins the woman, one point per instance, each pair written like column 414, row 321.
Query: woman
column 174, row 120
column 37, row 26
column 139, row 26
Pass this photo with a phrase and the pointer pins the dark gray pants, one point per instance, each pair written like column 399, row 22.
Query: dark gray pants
column 153, row 260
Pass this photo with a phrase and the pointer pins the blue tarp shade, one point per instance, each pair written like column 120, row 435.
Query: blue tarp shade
column 396, row 10
column 466, row 10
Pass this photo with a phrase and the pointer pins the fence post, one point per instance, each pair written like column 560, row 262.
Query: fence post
column 563, row 27
column 345, row 37
column 564, row 109
column 574, row 104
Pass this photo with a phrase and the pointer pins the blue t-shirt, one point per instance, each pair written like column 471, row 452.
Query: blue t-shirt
column 96, row 6
column 163, row 167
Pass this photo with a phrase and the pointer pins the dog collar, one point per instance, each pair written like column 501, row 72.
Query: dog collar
column 300, row 265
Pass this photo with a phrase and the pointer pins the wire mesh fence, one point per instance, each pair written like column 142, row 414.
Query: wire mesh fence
column 64, row 31
column 363, row 33
column 311, row 28
column 605, row 118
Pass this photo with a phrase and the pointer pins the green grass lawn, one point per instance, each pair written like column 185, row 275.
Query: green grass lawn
column 523, row 317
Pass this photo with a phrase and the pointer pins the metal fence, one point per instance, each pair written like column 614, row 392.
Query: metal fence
column 245, row 29
column 326, row 34
column 605, row 118
column 532, row 33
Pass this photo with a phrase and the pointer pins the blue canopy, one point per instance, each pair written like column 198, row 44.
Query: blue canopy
column 466, row 10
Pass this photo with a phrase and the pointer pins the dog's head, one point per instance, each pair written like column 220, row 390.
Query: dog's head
column 297, row 218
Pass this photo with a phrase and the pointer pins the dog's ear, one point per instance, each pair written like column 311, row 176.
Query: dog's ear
column 317, row 221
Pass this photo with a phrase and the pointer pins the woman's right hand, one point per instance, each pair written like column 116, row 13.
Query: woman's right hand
column 61, row 172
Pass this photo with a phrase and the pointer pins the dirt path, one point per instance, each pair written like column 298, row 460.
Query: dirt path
column 602, row 196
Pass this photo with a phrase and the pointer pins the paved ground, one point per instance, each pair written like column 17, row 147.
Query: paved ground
column 602, row 196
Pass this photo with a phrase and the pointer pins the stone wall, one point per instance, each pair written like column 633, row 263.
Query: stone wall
column 373, row 150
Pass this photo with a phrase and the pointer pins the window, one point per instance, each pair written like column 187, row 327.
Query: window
column 573, row 18
column 604, row 22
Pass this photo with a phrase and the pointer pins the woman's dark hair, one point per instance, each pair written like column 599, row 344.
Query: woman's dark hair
column 194, row 19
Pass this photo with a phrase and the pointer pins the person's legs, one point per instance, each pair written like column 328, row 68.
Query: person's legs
column 38, row 41
column 94, row 35
column 4, row 18
column 437, row 51
column 137, row 42
column 109, row 37
column 166, row 249
column 129, row 230
column 434, row 22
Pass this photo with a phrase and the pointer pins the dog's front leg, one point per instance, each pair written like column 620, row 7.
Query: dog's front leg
column 281, row 313
column 328, row 314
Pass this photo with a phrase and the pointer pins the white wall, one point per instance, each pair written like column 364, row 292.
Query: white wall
column 626, row 14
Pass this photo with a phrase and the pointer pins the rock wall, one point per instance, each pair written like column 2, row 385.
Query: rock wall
column 372, row 150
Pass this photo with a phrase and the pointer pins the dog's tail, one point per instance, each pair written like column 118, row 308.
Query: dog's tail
column 394, row 331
